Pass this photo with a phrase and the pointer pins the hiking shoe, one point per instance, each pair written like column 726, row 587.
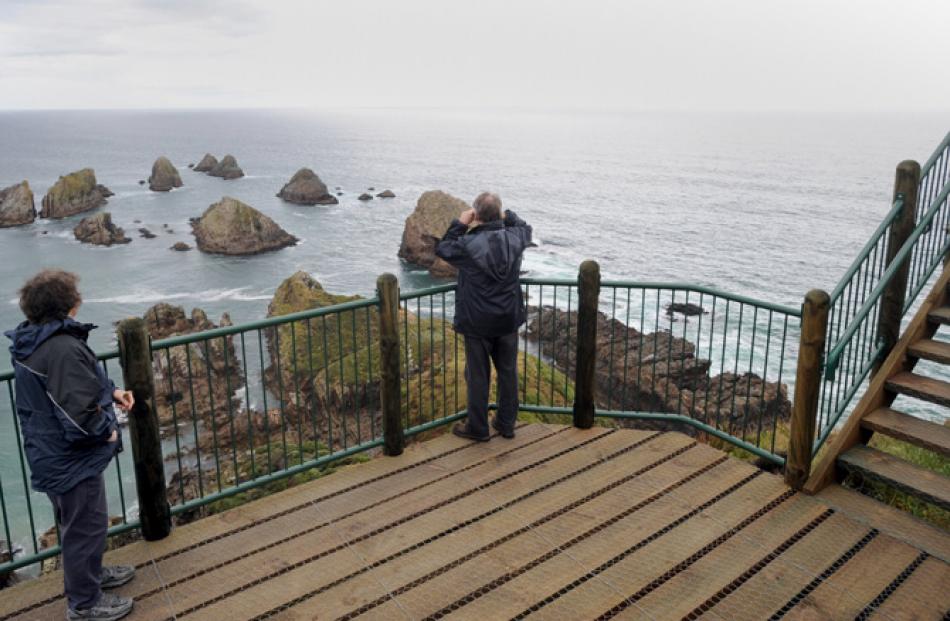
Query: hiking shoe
column 115, row 575
column 508, row 435
column 109, row 608
column 462, row 431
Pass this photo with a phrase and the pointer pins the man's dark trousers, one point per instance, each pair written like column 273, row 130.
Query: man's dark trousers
column 83, row 518
column 480, row 353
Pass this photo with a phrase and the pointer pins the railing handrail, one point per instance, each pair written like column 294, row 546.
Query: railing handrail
column 868, row 247
column 925, row 169
column 903, row 254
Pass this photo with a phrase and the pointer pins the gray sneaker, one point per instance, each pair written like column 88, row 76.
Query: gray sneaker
column 116, row 575
column 109, row 608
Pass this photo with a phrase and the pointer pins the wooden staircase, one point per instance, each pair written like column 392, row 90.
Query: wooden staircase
column 848, row 453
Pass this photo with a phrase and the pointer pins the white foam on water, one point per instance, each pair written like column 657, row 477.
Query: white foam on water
column 239, row 294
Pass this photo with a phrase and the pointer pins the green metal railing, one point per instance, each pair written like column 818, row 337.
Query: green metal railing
column 854, row 346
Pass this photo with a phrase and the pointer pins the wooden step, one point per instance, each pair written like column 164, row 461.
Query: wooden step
column 878, row 466
column 928, row 349
column 910, row 429
column 920, row 387
column 889, row 520
column 940, row 315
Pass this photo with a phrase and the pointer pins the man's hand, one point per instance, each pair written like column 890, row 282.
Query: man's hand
column 114, row 437
column 123, row 399
column 467, row 217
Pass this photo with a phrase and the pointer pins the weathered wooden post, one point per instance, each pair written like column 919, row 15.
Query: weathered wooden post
column 807, row 387
column 892, row 301
column 387, row 289
column 135, row 356
column 588, row 293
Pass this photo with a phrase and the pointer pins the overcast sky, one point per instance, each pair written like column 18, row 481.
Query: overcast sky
column 682, row 54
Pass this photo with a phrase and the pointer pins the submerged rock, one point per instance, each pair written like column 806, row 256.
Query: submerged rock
column 74, row 193
column 386, row 194
column 164, row 176
column 232, row 227
column 180, row 247
column 16, row 205
column 425, row 226
column 306, row 188
column 365, row 197
column 100, row 230
column 227, row 168
column 141, row 181
column 147, row 234
column 207, row 163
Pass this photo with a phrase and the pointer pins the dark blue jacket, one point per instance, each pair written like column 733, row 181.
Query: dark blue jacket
column 64, row 403
column 488, row 299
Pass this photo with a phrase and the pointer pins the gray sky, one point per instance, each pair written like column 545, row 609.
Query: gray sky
column 683, row 54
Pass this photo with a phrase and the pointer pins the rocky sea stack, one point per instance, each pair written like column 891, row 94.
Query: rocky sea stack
column 207, row 163
column 74, row 193
column 425, row 227
column 306, row 188
column 100, row 230
column 164, row 176
column 231, row 227
column 227, row 168
column 16, row 205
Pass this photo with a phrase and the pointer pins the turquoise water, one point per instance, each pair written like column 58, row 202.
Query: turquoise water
column 767, row 205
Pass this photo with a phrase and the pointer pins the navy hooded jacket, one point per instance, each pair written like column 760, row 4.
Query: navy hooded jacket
column 488, row 300
column 64, row 403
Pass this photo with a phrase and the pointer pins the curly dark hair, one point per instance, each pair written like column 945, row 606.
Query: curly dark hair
column 49, row 296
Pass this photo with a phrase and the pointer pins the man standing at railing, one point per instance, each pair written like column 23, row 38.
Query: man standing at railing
column 65, row 405
column 489, row 308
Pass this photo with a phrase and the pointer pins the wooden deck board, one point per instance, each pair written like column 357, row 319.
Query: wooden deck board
column 564, row 522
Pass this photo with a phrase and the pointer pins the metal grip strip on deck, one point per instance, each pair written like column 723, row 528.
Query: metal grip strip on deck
column 263, row 520
column 512, row 535
column 438, row 505
column 759, row 566
column 695, row 556
column 827, row 573
column 890, row 588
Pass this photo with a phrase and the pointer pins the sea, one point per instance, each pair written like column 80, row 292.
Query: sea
column 766, row 204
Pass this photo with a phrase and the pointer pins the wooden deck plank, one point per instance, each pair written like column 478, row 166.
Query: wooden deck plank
column 410, row 520
column 627, row 576
column 541, row 568
column 695, row 584
column 894, row 522
column 922, row 596
column 847, row 591
column 771, row 587
column 508, row 528
column 877, row 465
column 415, row 470
column 911, row 429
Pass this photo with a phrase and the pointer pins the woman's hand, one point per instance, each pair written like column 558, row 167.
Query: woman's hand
column 123, row 399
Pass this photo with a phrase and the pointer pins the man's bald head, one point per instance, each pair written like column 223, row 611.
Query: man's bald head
column 487, row 207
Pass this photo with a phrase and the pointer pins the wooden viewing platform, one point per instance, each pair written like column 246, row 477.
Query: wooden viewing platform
column 559, row 523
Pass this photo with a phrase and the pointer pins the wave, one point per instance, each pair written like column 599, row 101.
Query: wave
column 239, row 294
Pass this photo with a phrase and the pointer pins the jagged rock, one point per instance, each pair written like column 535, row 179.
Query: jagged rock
column 141, row 181
column 147, row 234
column 207, row 163
column 685, row 309
column 227, row 168
column 339, row 193
column 370, row 189
column 74, row 193
column 191, row 165
column 16, row 205
column 425, row 226
column 306, row 188
column 164, row 176
column 181, row 247
column 659, row 372
column 212, row 367
column 386, row 194
column 366, row 197
column 100, row 230
column 231, row 227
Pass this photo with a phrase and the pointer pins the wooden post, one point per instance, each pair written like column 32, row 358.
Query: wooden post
column 387, row 289
column 892, row 301
column 807, row 387
column 588, row 293
column 135, row 356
